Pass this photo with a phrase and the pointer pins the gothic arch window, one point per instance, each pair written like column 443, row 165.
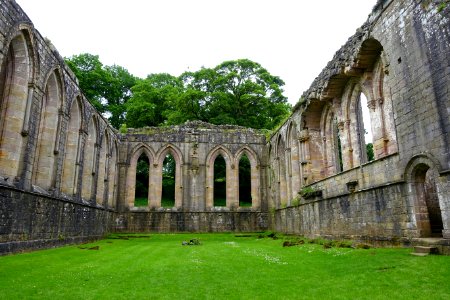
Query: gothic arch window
column 141, row 190
column 368, row 109
column 332, row 145
column 168, row 181
column 47, row 143
column 16, row 75
column 244, row 157
column 245, row 188
column 177, row 189
column 220, row 181
column 365, row 129
column 138, row 187
column 218, row 176
column 71, row 152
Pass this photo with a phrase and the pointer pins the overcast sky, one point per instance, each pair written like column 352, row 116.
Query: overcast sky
column 293, row 39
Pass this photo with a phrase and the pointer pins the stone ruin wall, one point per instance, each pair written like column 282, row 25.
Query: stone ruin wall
column 66, row 174
column 194, row 146
column 400, row 60
column 57, row 153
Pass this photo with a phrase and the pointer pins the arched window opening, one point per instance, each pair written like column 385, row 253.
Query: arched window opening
column 366, row 136
column 245, row 188
column 168, row 182
column 220, row 181
column 142, row 173
column 429, row 219
column 338, row 147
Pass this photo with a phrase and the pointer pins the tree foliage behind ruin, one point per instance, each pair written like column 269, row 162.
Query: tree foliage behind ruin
column 239, row 92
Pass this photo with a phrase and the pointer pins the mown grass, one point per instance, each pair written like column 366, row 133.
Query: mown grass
column 142, row 202
column 222, row 267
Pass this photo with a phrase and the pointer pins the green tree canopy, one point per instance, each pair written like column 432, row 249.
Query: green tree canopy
column 151, row 98
column 108, row 88
column 239, row 92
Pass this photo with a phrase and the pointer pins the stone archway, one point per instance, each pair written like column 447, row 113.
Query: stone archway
column 430, row 217
column 424, row 206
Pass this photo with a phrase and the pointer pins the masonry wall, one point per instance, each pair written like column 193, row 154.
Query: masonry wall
column 194, row 146
column 399, row 57
column 45, row 122
column 168, row 221
column 33, row 221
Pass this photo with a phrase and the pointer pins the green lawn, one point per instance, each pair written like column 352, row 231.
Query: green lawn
column 139, row 202
column 222, row 267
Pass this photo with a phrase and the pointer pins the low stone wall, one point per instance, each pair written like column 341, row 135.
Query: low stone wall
column 375, row 215
column 30, row 221
column 190, row 222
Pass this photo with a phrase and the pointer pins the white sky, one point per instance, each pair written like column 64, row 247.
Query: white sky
column 293, row 39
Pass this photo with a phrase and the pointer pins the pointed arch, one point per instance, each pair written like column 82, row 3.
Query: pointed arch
column 210, row 159
column 44, row 167
column 255, row 176
column 157, row 175
column 72, row 148
column 332, row 159
column 371, row 84
column 16, row 92
column 131, row 172
column 89, row 156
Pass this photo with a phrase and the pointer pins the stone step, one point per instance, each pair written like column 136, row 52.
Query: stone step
column 425, row 249
column 419, row 254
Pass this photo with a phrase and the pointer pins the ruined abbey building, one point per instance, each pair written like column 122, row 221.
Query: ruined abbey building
column 67, row 176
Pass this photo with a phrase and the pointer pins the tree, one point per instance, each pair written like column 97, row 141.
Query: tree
column 151, row 97
column 246, row 94
column 108, row 88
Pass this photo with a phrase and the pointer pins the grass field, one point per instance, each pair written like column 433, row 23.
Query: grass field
column 222, row 267
column 142, row 202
